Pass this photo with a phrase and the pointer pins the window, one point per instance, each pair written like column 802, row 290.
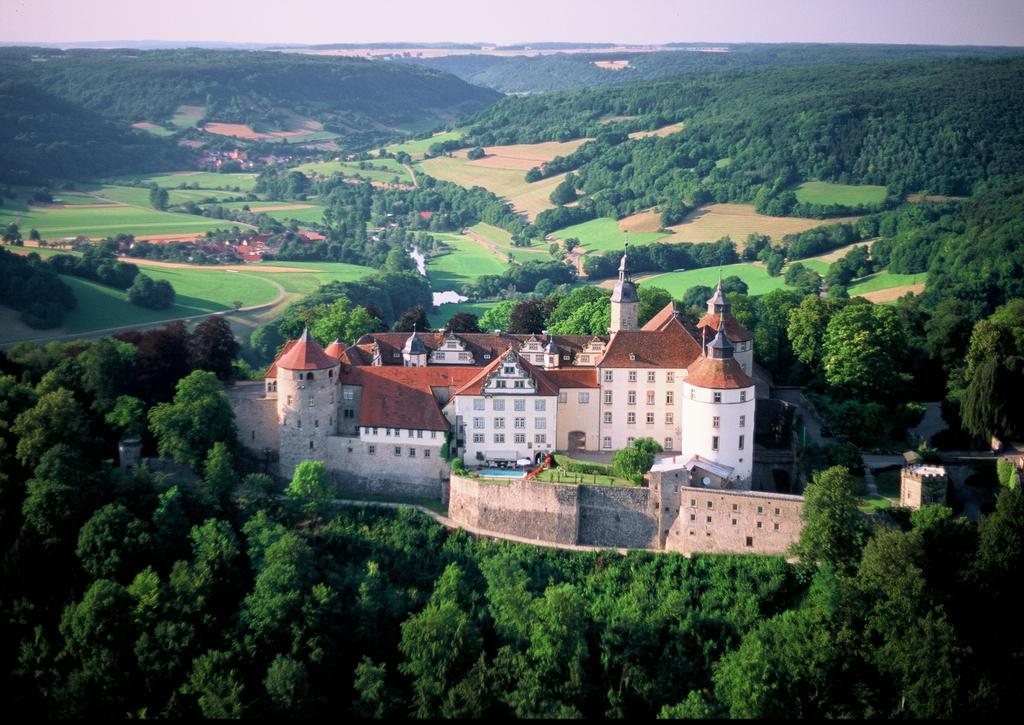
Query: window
column 629, row 441
column 509, row 370
column 631, row 418
column 670, row 376
column 540, row 438
column 395, row 354
column 520, row 438
column 743, row 421
column 478, row 422
column 715, row 422
column 520, row 422
column 669, row 444
column 709, row 519
column 758, row 524
column 743, row 396
column 463, row 356
column 735, row 507
column 540, row 423
column 478, row 403
column 439, row 355
column 412, row 453
column 298, row 423
column 426, row 453
column 433, row 434
column 348, row 394
column 518, row 384
column 693, row 502
column 316, row 423
column 410, row 433
column 650, row 397
column 289, row 400
column 499, row 422
column 607, row 397
column 741, row 443
column 670, row 418
column 398, row 450
column 520, row 404
column 500, row 384
column 760, row 510
column 375, row 431
column 670, row 397
column 498, row 404
column 311, row 445
column 499, row 437
column 711, row 505
column 309, row 376
column 348, row 414
column 540, row 405
column 561, row 397
column 776, row 512
column 478, row 437
column 650, row 419
column 693, row 517
column 372, row 450
column 607, row 375
column 606, row 443
column 717, row 397
column 734, row 522
column 714, row 443
column 583, row 398
column 631, row 397
column 608, row 416
column 632, row 375
column 750, row 541
column 650, row 376
column 419, row 434
column 776, row 527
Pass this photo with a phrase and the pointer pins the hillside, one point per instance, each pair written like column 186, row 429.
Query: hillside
column 568, row 71
column 348, row 99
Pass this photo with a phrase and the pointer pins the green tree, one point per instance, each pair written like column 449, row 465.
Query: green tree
column 127, row 416
column 55, row 418
column 217, row 686
column 287, row 685
column 399, row 261
column 833, row 532
column 565, row 192
column 112, row 543
column 158, row 197
column 496, row 318
column 219, row 477
column 200, row 416
column 652, row 301
column 863, row 350
column 311, row 487
column 634, row 462
column 212, row 346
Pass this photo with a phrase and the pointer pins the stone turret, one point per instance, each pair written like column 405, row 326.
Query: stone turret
column 414, row 352
column 307, row 380
column 719, row 318
column 625, row 301
column 923, row 485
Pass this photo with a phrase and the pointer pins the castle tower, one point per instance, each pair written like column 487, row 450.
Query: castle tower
column 625, row 302
column 719, row 317
column 718, row 417
column 307, row 379
column 414, row 352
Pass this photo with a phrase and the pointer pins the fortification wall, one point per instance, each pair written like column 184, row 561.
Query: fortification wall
column 355, row 470
column 619, row 517
column 527, row 508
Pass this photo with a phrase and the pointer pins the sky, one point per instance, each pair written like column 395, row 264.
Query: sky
column 939, row 22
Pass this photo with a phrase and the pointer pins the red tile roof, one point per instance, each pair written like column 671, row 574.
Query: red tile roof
column 669, row 348
column 475, row 386
column 272, row 370
column 479, row 344
column 733, row 329
column 573, row 377
column 724, row 374
column 396, row 397
column 306, row 354
column 335, row 349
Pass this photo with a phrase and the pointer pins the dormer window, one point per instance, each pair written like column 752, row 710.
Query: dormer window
column 632, row 356
column 487, row 356
column 395, row 354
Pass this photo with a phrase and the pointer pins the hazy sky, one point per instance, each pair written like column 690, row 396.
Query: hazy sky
column 946, row 22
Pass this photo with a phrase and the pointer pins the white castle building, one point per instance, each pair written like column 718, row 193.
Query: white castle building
column 387, row 408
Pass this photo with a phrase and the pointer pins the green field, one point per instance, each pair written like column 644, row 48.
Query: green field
column 886, row 280
column 351, row 169
column 203, row 179
column 422, row 145
column 156, row 130
column 467, row 261
column 107, row 220
column 139, row 195
column 314, row 212
column 676, row 283
column 503, row 241
column 823, row 192
column 306, row 282
column 188, row 116
column 446, row 312
column 603, row 235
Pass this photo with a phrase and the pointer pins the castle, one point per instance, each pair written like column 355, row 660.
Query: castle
column 384, row 412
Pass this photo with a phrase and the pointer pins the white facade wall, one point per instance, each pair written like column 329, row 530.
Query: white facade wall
column 382, row 442
column 489, row 425
column 735, row 415
column 616, row 430
column 580, row 412
column 744, row 355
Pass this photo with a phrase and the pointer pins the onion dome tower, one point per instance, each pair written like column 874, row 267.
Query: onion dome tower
column 718, row 416
column 414, row 352
column 719, row 317
column 625, row 301
column 307, row 379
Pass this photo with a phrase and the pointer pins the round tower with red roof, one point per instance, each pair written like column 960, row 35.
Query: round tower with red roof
column 719, row 317
column 307, row 390
column 718, row 417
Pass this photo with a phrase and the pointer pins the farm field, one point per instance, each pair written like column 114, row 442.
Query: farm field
column 604, row 234
column 824, row 192
column 419, row 147
column 139, row 196
column 714, row 221
column 306, row 282
column 351, row 169
column 188, row 116
column 676, row 283
column 663, row 131
column 501, row 241
column 466, row 261
column 107, row 220
column 446, row 312
column 202, row 179
column 153, row 129
column 281, row 211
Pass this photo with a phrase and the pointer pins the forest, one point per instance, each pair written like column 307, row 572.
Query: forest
column 196, row 590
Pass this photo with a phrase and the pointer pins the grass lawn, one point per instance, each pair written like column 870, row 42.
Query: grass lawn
column 204, row 179
column 503, row 241
column 76, row 199
column 604, row 235
column 214, row 288
column 886, row 280
column 466, row 261
column 305, row 212
column 529, row 199
column 108, row 220
column 139, row 196
column 818, row 265
column 446, row 312
column 422, row 145
column 558, row 475
column 155, row 130
column 824, row 192
column 305, row 283
column 187, row 116
column 676, row 283
column 374, row 172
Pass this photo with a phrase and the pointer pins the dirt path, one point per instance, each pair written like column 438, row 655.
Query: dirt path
column 491, row 246
column 412, row 174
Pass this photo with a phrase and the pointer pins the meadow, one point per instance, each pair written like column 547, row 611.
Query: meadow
column 139, row 195
column 106, row 220
column 201, row 179
column 419, row 147
column 188, row 116
column 467, row 260
column 663, row 131
column 605, row 235
column 500, row 241
column 379, row 171
column 281, row 211
column 757, row 278
column 824, row 192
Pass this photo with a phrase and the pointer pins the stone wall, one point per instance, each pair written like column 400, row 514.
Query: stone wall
column 527, row 508
column 256, row 418
column 619, row 517
column 355, row 471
